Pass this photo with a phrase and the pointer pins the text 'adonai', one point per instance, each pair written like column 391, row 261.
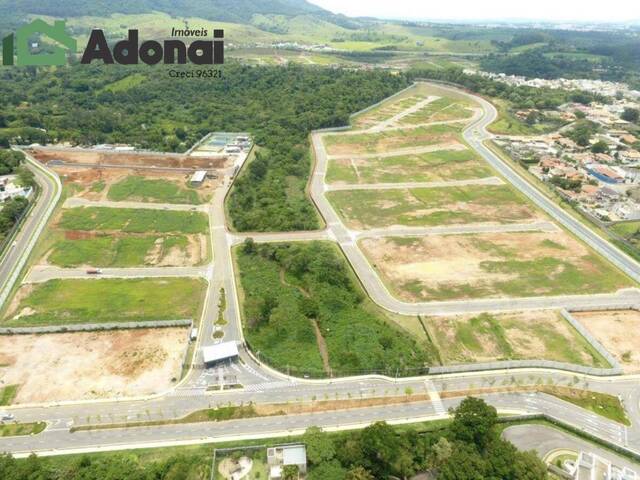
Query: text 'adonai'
column 151, row 52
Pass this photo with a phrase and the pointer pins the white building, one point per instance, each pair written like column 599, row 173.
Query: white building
column 590, row 466
column 198, row 178
column 9, row 188
column 282, row 456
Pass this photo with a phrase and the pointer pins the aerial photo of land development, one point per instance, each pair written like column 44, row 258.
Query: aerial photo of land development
column 290, row 239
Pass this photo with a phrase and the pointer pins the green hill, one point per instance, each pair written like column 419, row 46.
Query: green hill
column 235, row 11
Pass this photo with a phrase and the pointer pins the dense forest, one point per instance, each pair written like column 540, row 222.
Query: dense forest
column 468, row 448
column 518, row 97
column 291, row 289
column 143, row 106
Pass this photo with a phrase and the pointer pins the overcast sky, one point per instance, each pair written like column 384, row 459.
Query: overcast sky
column 550, row 10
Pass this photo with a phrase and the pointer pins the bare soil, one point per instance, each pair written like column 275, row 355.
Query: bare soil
column 441, row 261
column 83, row 180
column 527, row 333
column 129, row 159
column 90, row 365
column 617, row 332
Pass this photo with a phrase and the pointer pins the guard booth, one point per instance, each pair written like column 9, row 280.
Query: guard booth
column 214, row 354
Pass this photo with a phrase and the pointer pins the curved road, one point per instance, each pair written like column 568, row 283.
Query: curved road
column 19, row 251
column 275, row 387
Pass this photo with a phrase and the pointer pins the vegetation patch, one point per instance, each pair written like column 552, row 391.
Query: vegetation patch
column 131, row 220
column 608, row 406
column 539, row 335
column 285, row 287
column 16, row 429
column 7, row 394
column 454, row 164
column 363, row 209
column 112, row 237
column 135, row 188
column 367, row 143
column 491, row 265
column 60, row 302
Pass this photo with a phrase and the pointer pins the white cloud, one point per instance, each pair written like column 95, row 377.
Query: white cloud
column 474, row 10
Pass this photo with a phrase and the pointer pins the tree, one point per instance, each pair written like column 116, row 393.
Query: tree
column 464, row 464
column 290, row 472
column 473, row 422
column 359, row 473
column 331, row 470
column 442, row 450
column 600, row 147
column 320, row 447
column 249, row 246
column 630, row 115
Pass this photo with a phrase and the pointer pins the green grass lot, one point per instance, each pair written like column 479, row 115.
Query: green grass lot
column 131, row 220
column 7, row 394
column 388, row 108
column 123, row 237
column 107, row 250
column 394, row 139
column 15, row 429
column 608, row 406
column 487, row 337
column 60, row 302
column 430, row 206
column 522, row 264
column 152, row 190
column 285, row 287
column 627, row 229
column 425, row 167
column 442, row 109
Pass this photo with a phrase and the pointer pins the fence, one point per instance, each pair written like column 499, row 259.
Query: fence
column 92, row 327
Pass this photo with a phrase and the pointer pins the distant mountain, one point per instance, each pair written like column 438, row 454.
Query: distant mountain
column 236, row 11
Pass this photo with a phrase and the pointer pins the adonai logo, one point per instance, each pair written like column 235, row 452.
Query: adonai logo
column 125, row 52
column 130, row 52
column 24, row 54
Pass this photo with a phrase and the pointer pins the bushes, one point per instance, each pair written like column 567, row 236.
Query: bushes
column 289, row 287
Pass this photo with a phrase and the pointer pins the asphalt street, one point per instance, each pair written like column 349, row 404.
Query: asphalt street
column 263, row 385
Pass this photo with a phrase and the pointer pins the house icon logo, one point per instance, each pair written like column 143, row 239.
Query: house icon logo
column 20, row 41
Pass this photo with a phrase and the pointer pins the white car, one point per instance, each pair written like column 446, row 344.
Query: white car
column 6, row 416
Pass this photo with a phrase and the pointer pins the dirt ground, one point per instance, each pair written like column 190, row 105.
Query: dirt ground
column 617, row 332
column 85, row 181
column 97, row 157
column 436, row 262
column 89, row 365
column 538, row 335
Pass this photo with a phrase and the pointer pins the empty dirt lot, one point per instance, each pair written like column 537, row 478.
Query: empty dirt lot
column 617, row 332
column 446, row 267
column 99, row 157
column 538, row 335
column 88, row 365
column 94, row 183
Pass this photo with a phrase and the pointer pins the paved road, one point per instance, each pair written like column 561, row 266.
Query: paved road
column 395, row 186
column 381, row 295
column 541, row 226
column 15, row 259
column 265, row 386
column 83, row 202
column 43, row 273
column 476, row 133
column 544, row 440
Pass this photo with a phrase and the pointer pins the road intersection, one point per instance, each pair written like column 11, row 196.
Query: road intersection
column 201, row 388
